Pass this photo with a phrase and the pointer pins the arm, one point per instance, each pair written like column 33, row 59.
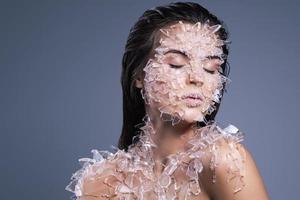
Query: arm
column 253, row 188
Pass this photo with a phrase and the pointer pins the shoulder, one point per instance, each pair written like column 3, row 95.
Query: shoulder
column 98, row 179
column 236, row 174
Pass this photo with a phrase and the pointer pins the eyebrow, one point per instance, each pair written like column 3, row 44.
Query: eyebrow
column 213, row 57
column 185, row 55
column 176, row 51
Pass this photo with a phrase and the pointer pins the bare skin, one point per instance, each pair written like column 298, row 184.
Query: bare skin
column 170, row 139
column 173, row 138
column 220, row 190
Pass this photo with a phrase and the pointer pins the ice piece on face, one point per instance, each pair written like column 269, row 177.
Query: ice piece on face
column 165, row 32
column 210, row 109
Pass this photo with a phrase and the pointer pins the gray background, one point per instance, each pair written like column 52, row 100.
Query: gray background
column 60, row 67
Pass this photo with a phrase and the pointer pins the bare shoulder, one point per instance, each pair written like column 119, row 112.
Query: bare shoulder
column 99, row 181
column 236, row 174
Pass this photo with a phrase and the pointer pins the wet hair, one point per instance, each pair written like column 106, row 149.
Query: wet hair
column 138, row 49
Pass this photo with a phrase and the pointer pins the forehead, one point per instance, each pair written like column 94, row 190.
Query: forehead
column 193, row 39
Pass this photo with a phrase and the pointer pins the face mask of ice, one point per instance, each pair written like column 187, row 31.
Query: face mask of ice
column 184, row 78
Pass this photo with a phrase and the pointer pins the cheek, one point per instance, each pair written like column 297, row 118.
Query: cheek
column 173, row 79
column 210, row 85
column 165, row 84
column 157, row 82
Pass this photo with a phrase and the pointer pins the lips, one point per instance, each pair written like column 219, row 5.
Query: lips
column 192, row 99
column 195, row 96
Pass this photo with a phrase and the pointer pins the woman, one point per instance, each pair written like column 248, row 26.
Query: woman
column 174, row 74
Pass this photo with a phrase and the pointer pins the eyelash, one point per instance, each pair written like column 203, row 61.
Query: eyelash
column 175, row 66
column 179, row 66
column 209, row 71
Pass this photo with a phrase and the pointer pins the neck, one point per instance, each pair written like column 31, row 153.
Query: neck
column 167, row 137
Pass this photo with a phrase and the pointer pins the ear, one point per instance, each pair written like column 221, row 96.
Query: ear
column 138, row 83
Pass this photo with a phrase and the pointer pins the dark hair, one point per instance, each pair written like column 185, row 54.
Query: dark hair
column 139, row 46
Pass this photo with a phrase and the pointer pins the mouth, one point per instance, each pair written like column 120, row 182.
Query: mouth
column 192, row 99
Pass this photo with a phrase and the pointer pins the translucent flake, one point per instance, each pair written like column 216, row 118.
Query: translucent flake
column 167, row 86
column 123, row 189
column 231, row 129
column 171, row 167
column 194, row 187
column 215, row 28
column 133, row 174
column 164, row 180
column 171, row 192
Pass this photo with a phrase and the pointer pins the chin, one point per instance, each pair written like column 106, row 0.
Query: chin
column 186, row 116
column 192, row 116
column 181, row 113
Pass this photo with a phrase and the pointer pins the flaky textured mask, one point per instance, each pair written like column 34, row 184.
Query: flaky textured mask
column 184, row 78
column 183, row 81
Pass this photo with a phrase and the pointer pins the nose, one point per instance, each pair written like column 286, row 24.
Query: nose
column 195, row 78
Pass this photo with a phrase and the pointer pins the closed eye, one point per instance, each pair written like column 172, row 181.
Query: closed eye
column 176, row 66
column 209, row 71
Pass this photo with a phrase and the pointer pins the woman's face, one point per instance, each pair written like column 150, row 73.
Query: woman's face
column 183, row 80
